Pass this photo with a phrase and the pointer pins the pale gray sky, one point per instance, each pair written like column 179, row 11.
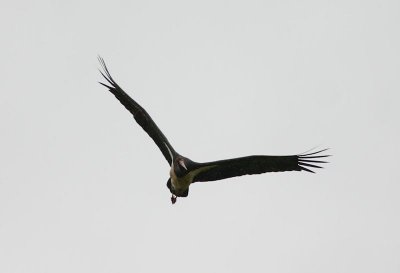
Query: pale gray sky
column 82, row 187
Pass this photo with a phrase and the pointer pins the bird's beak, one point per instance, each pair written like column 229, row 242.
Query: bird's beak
column 182, row 163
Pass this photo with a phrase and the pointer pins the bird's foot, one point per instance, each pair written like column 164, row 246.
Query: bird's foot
column 173, row 199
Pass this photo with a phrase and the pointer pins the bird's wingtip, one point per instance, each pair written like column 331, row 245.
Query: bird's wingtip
column 309, row 160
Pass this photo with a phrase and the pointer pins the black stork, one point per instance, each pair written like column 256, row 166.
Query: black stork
column 184, row 171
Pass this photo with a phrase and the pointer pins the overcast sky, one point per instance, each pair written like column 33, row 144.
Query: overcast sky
column 82, row 187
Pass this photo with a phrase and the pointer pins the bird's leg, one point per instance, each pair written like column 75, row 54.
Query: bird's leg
column 173, row 199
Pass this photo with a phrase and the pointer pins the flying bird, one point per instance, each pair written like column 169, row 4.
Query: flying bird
column 183, row 171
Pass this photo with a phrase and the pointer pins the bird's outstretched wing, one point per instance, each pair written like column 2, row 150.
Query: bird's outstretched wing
column 258, row 164
column 140, row 115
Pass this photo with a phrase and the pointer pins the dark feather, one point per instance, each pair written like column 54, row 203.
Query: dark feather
column 140, row 115
column 258, row 164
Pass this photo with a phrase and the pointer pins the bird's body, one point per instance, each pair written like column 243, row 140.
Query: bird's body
column 184, row 171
